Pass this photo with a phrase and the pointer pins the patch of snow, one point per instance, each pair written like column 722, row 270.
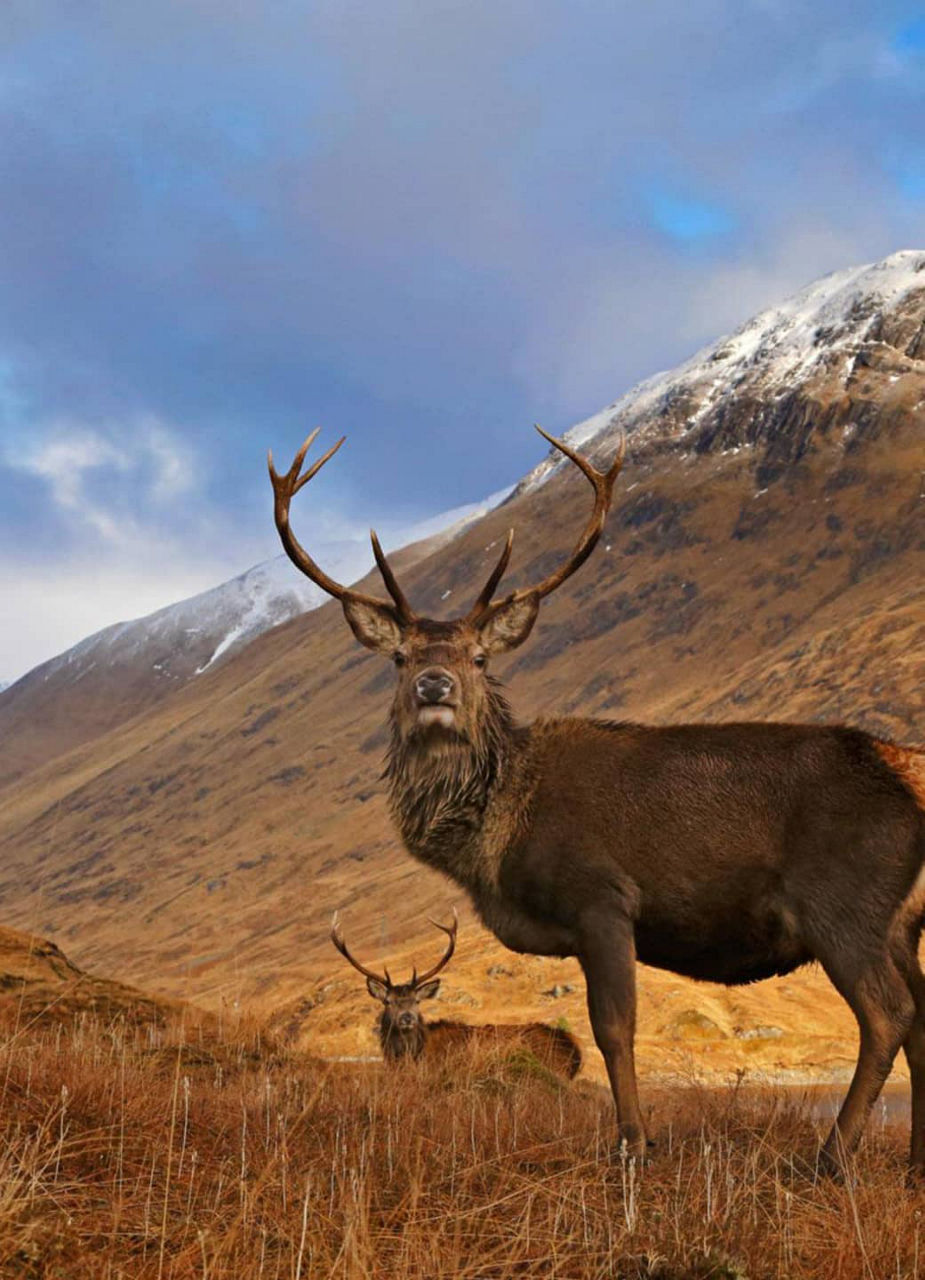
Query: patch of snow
column 222, row 647
column 449, row 523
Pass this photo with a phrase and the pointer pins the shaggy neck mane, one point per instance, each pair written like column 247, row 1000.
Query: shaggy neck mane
column 439, row 785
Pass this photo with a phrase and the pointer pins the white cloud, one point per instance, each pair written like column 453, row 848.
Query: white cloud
column 147, row 459
column 631, row 316
column 134, row 541
column 731, row 293
column 62, row 459
column 174, row 463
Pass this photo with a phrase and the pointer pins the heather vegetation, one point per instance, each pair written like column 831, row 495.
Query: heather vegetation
column 162, row 1152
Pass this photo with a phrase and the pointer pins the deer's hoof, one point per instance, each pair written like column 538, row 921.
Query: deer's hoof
column 828, row 1166
column 637, row 1149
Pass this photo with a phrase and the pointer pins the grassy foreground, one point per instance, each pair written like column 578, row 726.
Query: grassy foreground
column 138, row 1152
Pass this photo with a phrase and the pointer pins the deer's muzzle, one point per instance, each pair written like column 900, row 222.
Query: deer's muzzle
column 434, row 692
column 434, row 686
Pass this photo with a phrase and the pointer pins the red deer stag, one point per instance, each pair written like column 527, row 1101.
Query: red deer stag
column 404, row 1034
column 727, row 852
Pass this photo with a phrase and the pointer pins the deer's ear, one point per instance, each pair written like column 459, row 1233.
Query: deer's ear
column 511, row 625
column 378, row 990
column 429, row 990
column 373, row 625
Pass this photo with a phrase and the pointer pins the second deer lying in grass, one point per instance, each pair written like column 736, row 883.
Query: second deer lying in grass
column 404, row 1035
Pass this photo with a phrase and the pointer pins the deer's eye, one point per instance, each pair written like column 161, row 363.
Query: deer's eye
column 479, row 660
column 399, row 658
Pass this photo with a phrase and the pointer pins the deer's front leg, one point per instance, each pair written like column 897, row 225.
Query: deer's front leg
column 608, row 957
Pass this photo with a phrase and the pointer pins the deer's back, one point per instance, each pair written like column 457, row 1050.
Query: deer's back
column 555, row 1048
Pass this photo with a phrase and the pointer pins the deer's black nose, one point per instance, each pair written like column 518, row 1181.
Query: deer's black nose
column 434, row 685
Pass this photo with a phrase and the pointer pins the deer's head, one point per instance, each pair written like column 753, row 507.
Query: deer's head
column 443, row 684
column 401, row 1022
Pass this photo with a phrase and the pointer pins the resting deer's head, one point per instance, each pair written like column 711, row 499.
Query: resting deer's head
column 401, row 1023
column 443, row 685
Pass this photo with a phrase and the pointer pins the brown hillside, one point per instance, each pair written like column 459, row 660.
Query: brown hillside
column 201, row 847
column 39, row 986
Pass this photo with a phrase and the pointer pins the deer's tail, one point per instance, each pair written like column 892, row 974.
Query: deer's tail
column 908, row 763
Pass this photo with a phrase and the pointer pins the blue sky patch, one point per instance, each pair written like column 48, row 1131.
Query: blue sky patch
column 688, row 220
column 910, row 37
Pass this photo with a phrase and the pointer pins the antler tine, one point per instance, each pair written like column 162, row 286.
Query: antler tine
column 300, row 456
column 316, row 466
column 285, row 487
column 391, row 582
column 602, row 483
column 338, row 940
column 450, row 931
column 497, row 573
column 595, row 477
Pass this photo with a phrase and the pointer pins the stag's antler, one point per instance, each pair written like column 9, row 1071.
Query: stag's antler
column 602, row 483
column 338, row 940
column 285, row 487
column 450, row 931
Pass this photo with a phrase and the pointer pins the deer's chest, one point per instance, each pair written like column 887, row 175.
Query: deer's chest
column 519, row 929
column 513, row 923
column 470, row 839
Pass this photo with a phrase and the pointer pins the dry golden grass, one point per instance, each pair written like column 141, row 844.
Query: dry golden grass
column 128, row 1152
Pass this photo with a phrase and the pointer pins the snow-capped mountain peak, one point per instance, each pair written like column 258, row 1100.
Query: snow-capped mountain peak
column 815, row 341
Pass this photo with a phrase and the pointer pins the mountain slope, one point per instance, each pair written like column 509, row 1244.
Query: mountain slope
column 763, row 560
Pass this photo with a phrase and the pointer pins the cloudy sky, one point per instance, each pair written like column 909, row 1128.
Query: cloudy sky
column 422, row 223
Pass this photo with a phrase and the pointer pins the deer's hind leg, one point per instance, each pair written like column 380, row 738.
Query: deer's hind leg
column 907, row 930
column 880, row 998
column 914, row 1049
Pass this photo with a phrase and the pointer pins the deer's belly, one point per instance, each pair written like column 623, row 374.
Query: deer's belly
column 756, row 943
